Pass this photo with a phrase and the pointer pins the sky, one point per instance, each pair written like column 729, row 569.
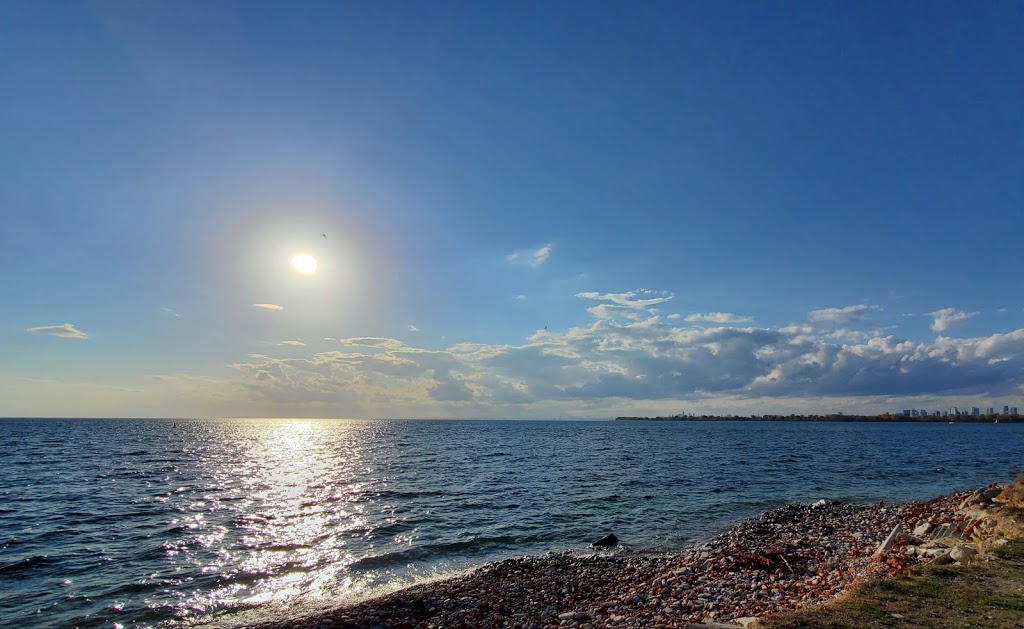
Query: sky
column 517, row 210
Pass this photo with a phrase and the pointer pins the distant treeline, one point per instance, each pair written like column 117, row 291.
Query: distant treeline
column 886, row 417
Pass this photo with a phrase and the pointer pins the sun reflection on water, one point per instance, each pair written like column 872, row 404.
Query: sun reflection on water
column 293, row 492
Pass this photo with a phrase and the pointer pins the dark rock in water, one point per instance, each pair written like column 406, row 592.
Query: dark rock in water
column 607, row 540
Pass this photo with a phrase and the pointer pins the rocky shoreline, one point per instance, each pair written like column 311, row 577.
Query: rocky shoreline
column 793, row 557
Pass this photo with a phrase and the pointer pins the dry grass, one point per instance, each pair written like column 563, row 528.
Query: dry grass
column 986, row 594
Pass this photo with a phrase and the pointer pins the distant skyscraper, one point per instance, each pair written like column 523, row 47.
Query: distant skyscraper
column 1006, row 410
column 913, row 412
column 1013, row 410
column 991, row 411
column 975, row 411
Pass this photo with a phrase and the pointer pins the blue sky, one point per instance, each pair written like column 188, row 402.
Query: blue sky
column 713, row 207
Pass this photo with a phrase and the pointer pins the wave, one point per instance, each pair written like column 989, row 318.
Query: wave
column 26, row 564
column 430, row 551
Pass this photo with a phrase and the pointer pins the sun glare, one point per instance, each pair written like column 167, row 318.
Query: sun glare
column 304, row 263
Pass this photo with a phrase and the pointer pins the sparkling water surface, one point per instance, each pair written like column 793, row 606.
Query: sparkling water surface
column 145, row 522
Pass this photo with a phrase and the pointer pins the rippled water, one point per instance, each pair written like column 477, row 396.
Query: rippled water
column 138, row 522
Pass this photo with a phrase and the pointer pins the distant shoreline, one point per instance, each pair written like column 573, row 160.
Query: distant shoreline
column 886, row 418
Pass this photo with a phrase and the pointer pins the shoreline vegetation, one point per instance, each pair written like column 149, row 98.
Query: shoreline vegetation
column 838, row 417
column 829, row 564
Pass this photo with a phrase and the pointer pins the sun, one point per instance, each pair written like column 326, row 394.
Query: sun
column 304, row 263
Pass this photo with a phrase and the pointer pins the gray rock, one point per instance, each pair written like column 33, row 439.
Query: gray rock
column 962, row 554
column 942, row 558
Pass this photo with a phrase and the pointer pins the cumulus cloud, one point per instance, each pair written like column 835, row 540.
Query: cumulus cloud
column 293, row 343
column 64, row 331
column 268, row 306
column 839, row 316
column 946, row 318
column 717, row 317
column 674, row 316
column 413, row 328
column 533, row 258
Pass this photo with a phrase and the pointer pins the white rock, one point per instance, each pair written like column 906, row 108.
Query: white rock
column 923, row 529
column 962, row 554
column 890, row 541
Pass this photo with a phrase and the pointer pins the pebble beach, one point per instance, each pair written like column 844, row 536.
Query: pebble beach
column 796, row 556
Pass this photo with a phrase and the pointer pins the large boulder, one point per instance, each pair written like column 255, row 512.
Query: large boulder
column 980, row 497
column 990, row 493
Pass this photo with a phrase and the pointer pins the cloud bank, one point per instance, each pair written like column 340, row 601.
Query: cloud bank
column 628, row 355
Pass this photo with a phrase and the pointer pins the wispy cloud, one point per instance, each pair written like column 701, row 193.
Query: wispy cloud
column 520, row 297
column 293, row 343
column 533, row 258
column 172, row 313
column 268, row 306
column 674, row 316
column 632, row 305
column 717, row 317
column 64, row 331
column 636, row 299
column 946, row 318
column 843, row 315
column 413, row 328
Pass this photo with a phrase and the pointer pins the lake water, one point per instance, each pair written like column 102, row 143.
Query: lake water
column 138, row 522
